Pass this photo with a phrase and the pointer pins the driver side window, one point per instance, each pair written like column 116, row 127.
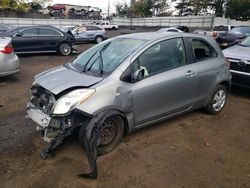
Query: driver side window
column 161, row 57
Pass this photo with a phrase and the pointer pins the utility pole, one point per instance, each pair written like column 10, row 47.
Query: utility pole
column 108, row 8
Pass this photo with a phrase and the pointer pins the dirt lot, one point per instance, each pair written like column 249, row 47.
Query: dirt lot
column 193, row 150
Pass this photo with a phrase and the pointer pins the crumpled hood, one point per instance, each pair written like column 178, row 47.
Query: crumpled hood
column 60, row 78
column 237, row 52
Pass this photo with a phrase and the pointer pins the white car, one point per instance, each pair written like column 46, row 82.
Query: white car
column 107, row 25
column 9, row 62
column 170, row 29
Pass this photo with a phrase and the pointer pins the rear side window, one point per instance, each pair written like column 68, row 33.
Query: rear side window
column 30, row 32
column 202, row 50
column 220, row 28
column 48, row 32
column 93, row 28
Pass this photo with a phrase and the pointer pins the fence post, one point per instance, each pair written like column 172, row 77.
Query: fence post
column 212, row 22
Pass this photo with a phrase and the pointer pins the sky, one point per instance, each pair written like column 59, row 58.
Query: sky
column 102, row 4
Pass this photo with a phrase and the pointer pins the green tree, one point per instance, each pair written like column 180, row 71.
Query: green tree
column 122, row 9
column 192, row 7
column 142, row 8
column 238, row 9
column 184, row 7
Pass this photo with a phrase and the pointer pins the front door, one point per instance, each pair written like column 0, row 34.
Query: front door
column 168, row 84
column 26, row 40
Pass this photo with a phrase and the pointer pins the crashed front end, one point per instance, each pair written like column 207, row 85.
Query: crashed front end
column 54, row 114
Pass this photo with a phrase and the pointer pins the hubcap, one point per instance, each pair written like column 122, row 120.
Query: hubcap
column 108, row 132
column 99, row 39
column 65, row 49
column 219, row 100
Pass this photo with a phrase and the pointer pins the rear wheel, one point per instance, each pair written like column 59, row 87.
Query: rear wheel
column 217, row 101
column 65, row 49
column 98, row 39
column 111, row 133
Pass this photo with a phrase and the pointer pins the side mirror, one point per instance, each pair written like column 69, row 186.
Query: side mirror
column 19, row 34
column 138, row 75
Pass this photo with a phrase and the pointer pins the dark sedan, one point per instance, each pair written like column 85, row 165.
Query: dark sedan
column 233, row 37
column 40, row 39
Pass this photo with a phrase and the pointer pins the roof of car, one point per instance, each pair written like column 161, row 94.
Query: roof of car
column 48, row 26
column 157, row 35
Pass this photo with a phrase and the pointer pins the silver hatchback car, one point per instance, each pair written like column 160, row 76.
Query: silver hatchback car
column 9, row 62
column 126, row 83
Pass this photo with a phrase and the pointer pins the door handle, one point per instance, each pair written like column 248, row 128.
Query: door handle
column 190, row 73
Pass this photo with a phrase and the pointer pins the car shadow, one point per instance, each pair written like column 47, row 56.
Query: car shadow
column 9, row 79
column 240, row 91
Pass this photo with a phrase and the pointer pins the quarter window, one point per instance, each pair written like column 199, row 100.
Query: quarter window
column 93, row 28
column 202, row 50
column 161, row 57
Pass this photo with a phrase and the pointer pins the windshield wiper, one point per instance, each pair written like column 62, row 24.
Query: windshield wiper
column 101, row 59
column 243, row 45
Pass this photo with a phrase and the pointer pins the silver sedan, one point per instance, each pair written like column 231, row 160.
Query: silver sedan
column 9, row 62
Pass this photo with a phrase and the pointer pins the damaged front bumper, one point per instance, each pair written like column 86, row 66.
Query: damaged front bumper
column 50, row 126
column 55, row 129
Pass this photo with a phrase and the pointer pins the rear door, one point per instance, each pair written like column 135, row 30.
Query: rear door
column 49, row 38
column 168, row 84
column 26, row 40
column 92, row 32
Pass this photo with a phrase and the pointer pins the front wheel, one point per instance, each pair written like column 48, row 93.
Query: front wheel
column 111, row 133
column 65, row 49
column 217, row 101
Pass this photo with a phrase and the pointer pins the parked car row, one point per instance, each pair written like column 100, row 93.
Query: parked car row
column 48, row 39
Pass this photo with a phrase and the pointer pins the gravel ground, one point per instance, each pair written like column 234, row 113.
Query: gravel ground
column 192, row 150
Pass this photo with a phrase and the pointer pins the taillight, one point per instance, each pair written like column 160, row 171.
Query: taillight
column 227, row 63
column 6, row 50
column 215, row 34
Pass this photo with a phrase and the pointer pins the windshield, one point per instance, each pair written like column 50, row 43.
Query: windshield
column 109, row 54
column 241, row 30
column 246, row 42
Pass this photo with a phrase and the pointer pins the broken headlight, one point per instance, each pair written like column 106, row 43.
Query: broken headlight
column 71, row 99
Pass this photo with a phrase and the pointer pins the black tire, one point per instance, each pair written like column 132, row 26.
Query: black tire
column 211, row 108
column 98, row 39
column 65, row 49
column 113, row 28
column 118, row 123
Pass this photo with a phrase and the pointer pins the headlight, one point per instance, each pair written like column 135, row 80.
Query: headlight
column 70, row 100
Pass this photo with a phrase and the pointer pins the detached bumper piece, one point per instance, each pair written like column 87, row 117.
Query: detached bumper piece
column 92, row 140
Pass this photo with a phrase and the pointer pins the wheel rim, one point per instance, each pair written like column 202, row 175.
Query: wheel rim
column 109, row 132
column 219, row 100
column 65, row 49
column 98, row 39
